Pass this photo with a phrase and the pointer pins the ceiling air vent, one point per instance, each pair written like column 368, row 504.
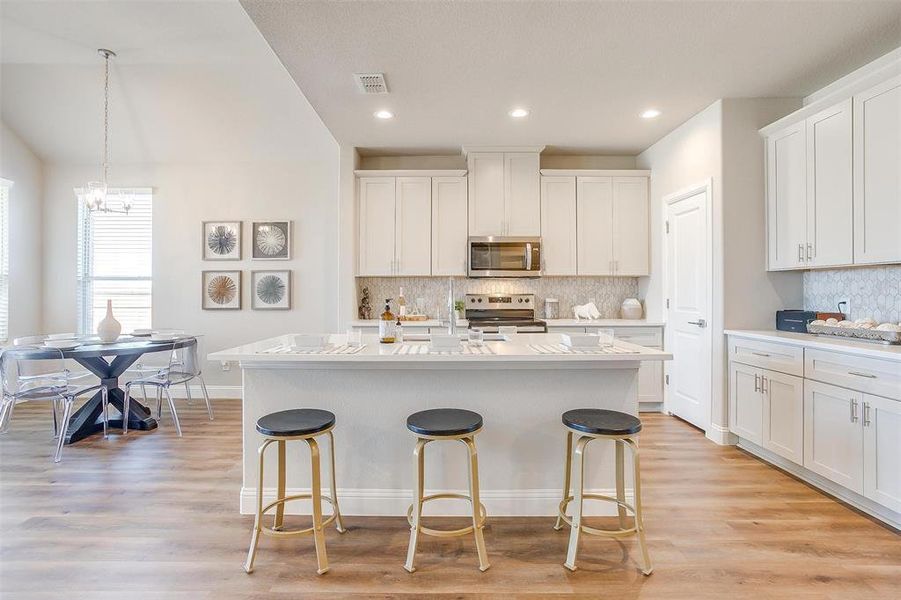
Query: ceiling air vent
column 371, row 83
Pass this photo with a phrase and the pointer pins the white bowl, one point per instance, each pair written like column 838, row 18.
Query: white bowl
column 309, row 341
column 61, row 336
column 164, row 337
column 581, row 340
column 142, row 332
column 62, row 344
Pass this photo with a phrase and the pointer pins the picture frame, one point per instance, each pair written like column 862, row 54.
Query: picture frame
column 220, row 290
column 271, row 240
column 270, row 290
column 221, row 240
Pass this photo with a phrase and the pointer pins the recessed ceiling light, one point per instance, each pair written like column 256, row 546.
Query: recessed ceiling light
column 519, row 113
column 650, row 113
column 384, row 114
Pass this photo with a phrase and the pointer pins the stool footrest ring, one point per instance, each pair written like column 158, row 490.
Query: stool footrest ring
column 309, row 530
column 561, row 511
column 447, row 533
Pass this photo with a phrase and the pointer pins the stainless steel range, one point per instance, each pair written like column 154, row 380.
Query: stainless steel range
column 490, row 311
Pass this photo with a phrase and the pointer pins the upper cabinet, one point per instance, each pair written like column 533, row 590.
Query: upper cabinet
column 449, row 233
column 877, row 173
column 504, row 194
column 558, row 225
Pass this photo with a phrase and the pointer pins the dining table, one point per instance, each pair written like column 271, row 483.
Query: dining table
column 109, row 361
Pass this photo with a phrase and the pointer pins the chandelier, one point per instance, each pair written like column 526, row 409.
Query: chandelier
column 96, row 194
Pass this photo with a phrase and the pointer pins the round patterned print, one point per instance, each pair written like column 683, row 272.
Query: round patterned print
column 222, row 289
column 271, row 289
column 222, row 240
column 271, row 240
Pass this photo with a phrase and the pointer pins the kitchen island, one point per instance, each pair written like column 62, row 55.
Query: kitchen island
column 518, row 386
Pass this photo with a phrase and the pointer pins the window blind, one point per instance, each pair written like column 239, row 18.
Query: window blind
column 4, row 260
column 115, row 262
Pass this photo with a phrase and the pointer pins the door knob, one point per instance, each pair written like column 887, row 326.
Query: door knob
column 700, row 323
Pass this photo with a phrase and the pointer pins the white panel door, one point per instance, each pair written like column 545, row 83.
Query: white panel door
column 630, row 226
column 783, row 415
column 376, row 226
column 688, row 292
column 830, row 189
column 833, row 436
column 449, row 226
column 787, row 198
column 558, row 225
column 522, row 194
column 413, row 226
column 594, row 225
column 486, row 193
column 882, row 451
column 746, row 402
column 877, row 174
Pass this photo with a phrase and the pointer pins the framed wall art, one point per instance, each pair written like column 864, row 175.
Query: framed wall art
column 270, row 290
column 222, row 240
column 221, row 290
column 271, row 240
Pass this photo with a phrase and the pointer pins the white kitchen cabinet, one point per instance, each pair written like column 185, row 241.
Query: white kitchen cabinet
column 746, row 402
column 449, row 226
column 650, row 382
column 829, row 188
column 558, row 225
column 783, row 415
column 376, row 203
column 833, row 436
column 630, row 226
column 877, row 173
column 594, row 214
column 881, row 420
column 786, row 191
column 504, row 193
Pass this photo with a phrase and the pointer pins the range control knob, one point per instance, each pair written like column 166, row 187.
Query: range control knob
column 480, row 299
column 526, row 300
column 520, row 300
column 472, row 300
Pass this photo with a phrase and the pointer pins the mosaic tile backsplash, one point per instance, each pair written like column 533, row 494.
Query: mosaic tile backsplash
column 607, row 293
column 874, row 292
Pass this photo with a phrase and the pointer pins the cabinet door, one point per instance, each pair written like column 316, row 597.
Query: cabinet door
column 787, row 198
column 486, row 193
column 882, row 451
column 594, row 225
column 650, row 381
column 558, row 225
column 522, row 194
column 449, row 226
column 783, row 414
column 877, row 174
column 746, row 403
column 833, row 436
column 630, row 225
column 829, row 187
column 376, row 225
column 413, row 226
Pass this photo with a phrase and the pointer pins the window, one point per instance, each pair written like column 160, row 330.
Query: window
column 4, row 259
column 115, row 263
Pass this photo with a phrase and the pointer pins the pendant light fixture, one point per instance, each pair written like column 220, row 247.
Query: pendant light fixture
column 96, row 194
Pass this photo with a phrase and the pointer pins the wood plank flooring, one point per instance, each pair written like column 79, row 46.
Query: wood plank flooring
column 154, row 516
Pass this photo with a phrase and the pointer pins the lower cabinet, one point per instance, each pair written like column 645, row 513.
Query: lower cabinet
column 881, row 419
column 833, row 434
column 746, row 403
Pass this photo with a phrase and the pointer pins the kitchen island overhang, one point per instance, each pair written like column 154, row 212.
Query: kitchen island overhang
column 520, row 393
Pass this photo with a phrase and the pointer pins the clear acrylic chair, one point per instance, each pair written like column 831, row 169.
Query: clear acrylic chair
column 172, row 364
column 38, row 373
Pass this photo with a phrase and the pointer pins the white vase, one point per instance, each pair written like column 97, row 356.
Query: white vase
column 631, row 309
column 109, row 328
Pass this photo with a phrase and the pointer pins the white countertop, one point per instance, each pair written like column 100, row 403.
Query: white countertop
column 550, row 323
column 516, row 350
column 428, row 323
column 821, row 342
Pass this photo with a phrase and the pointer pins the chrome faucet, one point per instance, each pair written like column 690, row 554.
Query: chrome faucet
column 451, row 313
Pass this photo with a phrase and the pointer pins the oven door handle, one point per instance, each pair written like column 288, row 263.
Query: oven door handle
column 528, row 256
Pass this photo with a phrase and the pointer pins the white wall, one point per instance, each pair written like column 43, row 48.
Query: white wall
column 20, row 165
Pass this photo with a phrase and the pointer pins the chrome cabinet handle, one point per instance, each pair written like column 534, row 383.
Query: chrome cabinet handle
column 853, row 410
column 756, row 382
column 800, row 252
column 700, row 323
column 528, row 256
column 809, row 251
column 866, row 414
column 765, row 355
column 858, row 374
column 763, row 387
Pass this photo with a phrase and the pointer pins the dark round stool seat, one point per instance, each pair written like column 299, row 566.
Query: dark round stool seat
column 444, row 421
column 294, row 422
column 598, row 421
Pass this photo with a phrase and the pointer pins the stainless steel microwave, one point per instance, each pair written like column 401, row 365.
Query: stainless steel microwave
column 497, row 256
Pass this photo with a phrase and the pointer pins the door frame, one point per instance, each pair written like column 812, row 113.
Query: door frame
column 705, row 186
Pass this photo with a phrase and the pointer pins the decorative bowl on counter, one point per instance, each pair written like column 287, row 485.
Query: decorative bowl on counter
column 870, row 334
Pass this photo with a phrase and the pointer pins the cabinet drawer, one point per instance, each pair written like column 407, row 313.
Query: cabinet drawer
column 767, row 355
column 651, row 337
column 871, row 375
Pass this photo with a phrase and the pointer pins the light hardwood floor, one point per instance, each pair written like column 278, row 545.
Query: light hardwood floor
column 154, row 516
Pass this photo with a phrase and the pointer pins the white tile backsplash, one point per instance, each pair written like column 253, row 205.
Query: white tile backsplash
column 874, row 292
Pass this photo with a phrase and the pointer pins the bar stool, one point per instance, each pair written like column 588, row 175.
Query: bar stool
column 445, row 424
column 590, row 424
column 297, row 424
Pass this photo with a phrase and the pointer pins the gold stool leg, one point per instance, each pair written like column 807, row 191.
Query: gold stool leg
column 279, row 519
column 255, row 536
column 566, row 478
column 576, row 527
column 639, row 522
column 477, row 523
column 620, row 483
column 339, row 523
column 418, row 489
column 316, row 491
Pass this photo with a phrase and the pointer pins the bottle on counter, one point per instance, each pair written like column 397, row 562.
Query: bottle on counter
column 399, row 331
column 386, row 324
column 401, row 305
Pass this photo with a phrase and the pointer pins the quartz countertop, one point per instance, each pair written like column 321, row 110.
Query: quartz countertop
column 821, row 342
column 550, row 323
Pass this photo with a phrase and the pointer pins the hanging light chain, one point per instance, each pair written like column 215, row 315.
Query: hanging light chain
column 106, row 54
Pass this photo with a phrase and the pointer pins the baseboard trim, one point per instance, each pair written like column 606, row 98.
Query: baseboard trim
column 721, row 435
column 227, row 392
column 394, row 502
